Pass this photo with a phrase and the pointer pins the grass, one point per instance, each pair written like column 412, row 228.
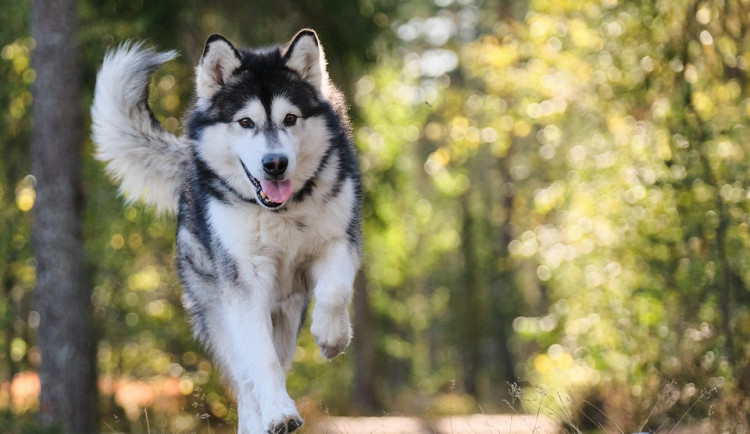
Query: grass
column 571, row 416
column 528, row 407
column 576, row 417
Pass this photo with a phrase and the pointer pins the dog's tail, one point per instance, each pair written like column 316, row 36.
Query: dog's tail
column 148, row 162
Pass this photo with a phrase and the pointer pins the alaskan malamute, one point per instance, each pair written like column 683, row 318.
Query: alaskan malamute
column 266, row 186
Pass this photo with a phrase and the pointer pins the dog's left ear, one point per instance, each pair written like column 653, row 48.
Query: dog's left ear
column 304, row 55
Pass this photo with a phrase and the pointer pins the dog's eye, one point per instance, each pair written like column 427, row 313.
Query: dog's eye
column 290, row 120
column 246, row 123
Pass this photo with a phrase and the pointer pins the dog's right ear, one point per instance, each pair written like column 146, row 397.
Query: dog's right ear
column 220, row 59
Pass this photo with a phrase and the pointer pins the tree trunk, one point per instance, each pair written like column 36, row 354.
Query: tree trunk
column 504, row 291
column 62, row 294
column 470, row 311
column 365, row 397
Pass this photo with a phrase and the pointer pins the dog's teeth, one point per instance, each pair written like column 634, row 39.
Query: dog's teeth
column 263, row 195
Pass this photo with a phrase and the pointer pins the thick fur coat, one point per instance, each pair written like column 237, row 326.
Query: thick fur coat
column 266, row 186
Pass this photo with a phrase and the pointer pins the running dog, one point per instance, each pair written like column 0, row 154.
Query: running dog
column 266, row 187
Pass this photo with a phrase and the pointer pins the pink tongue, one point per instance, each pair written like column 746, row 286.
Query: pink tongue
column 277, row 191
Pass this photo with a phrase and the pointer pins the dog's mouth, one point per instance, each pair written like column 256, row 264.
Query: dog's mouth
column 271, row 194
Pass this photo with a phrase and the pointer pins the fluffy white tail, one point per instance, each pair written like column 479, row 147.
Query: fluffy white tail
column 148, row 162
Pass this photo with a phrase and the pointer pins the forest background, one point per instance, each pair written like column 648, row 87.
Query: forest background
column 555, row 216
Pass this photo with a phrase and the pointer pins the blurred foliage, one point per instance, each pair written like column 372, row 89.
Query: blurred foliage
column 563, row 186
column 556, row 198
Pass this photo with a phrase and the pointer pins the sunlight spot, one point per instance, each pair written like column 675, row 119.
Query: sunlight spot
column 18, row 349
column 25, row 193
column 218, row 409
column 521, row 128
column 548, row 323
column 171, row 124
column 703, row 15
column 534, row 110
column 691, row 74
column 24, row 391
column 146, row 279
column 167, row 82
column 25, row 199
column 489, row 134
column 117, row 241
column 438, row 62
column 647, row 64
column 438, row 30
column 299, row 354
column 131, row 319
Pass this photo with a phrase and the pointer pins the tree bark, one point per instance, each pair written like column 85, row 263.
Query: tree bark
column 62, row 293
column 470, row 312
column 504, row 291
column 365, row 396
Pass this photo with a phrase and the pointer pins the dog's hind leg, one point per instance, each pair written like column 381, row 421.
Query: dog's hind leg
column 241, row 341
column 287, row 321
column 249, row 413
column 208, row 316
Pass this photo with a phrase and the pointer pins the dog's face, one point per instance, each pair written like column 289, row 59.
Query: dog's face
column 258, row 121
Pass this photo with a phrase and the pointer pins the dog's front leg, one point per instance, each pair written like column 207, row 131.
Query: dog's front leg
column 333, row 275
column 256, row 369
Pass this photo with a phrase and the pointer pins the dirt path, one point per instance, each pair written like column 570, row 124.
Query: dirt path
column 476, row 424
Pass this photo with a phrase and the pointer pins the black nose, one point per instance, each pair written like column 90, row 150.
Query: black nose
column 275, row 164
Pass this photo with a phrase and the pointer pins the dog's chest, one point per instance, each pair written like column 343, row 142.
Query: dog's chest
column 246, row 233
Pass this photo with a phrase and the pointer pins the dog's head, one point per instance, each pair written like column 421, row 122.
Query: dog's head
column 259, row 118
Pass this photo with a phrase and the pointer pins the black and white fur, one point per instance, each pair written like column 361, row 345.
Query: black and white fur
column 266, row 186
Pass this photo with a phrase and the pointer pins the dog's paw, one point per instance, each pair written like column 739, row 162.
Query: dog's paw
column 290, row 424
column 331, row 330
column 278, row 412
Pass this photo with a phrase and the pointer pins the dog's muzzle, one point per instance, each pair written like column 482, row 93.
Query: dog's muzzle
column 272, row 193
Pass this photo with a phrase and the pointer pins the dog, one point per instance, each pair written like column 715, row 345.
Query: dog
column 266, row 187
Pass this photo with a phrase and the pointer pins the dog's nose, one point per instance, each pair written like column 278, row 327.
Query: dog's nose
column 275, row 164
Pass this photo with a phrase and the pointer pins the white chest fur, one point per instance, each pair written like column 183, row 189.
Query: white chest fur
column 250, row 234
